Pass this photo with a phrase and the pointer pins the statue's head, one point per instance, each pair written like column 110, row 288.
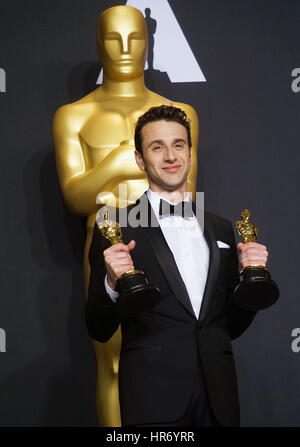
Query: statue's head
column 122, row 40
column 245, row 215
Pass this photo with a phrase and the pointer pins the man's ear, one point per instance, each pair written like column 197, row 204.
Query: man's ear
column 139, row 160
column 191, row 157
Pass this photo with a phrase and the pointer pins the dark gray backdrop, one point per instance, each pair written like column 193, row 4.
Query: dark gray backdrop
column 248, row 157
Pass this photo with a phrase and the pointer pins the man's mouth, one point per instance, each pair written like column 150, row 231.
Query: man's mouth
column 173, row 168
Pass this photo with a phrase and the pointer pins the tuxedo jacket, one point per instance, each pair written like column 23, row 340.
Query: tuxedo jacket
column 160, row 349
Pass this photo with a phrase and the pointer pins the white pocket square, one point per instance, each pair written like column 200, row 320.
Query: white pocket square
column 222, row 244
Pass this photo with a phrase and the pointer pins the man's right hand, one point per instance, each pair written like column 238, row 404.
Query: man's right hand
column 118, row 261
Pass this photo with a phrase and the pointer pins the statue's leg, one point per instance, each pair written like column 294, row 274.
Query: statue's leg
column 107, row 395
column 107, row 356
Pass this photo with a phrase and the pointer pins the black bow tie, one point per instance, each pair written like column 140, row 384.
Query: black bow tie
column 182, row 209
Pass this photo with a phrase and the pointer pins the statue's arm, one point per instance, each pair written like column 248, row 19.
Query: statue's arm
column 81, row 185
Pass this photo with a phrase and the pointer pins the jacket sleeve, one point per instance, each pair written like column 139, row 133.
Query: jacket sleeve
column 238, row 319
column 101, row 314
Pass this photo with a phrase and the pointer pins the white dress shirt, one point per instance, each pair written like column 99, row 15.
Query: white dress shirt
column 190, row 250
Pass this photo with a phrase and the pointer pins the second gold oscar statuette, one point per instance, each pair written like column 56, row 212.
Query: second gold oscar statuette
column 256, row 290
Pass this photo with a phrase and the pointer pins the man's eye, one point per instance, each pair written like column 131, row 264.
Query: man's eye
column 179, row 146
column 156, row 148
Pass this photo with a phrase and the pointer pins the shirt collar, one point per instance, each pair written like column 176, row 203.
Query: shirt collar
column 154, row 199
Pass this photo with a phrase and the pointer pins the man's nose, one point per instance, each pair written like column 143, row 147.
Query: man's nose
column 170, row 154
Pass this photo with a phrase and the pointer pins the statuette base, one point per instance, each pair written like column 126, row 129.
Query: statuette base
column 256, row 290
column 136, row 295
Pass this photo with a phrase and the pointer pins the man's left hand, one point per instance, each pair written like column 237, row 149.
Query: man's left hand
column 252, row 253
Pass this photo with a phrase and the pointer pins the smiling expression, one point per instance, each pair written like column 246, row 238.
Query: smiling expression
column 166, row 157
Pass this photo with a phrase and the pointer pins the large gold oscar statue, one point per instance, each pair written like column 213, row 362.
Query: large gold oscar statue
column 94, row 149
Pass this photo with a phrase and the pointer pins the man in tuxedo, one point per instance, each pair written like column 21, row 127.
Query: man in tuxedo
column 176, row 363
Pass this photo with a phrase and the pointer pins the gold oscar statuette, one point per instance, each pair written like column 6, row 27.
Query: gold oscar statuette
column 135, row 293
column 256, row 290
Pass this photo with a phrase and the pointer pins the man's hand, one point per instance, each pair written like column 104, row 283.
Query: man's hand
column 118, row 261
column 252, row 253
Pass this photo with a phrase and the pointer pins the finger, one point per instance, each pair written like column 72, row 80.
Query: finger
column 249, row 255
column 120, row 264
column 113, row 263
column 110, row 255
column 255, row 245
column 116, row 248
column 131, row 245
column 117, row 256
column 254, row 254
column 252, row 245
column 254, row 251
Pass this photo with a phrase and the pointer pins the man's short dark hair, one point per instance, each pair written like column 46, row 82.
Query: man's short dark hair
column 161, row 113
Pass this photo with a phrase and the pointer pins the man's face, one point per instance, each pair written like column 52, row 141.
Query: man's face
column 166, row 155
column 122, row 42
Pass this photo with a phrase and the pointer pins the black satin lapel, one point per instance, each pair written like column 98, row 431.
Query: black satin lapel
column 214, row 261
column 167, row 263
